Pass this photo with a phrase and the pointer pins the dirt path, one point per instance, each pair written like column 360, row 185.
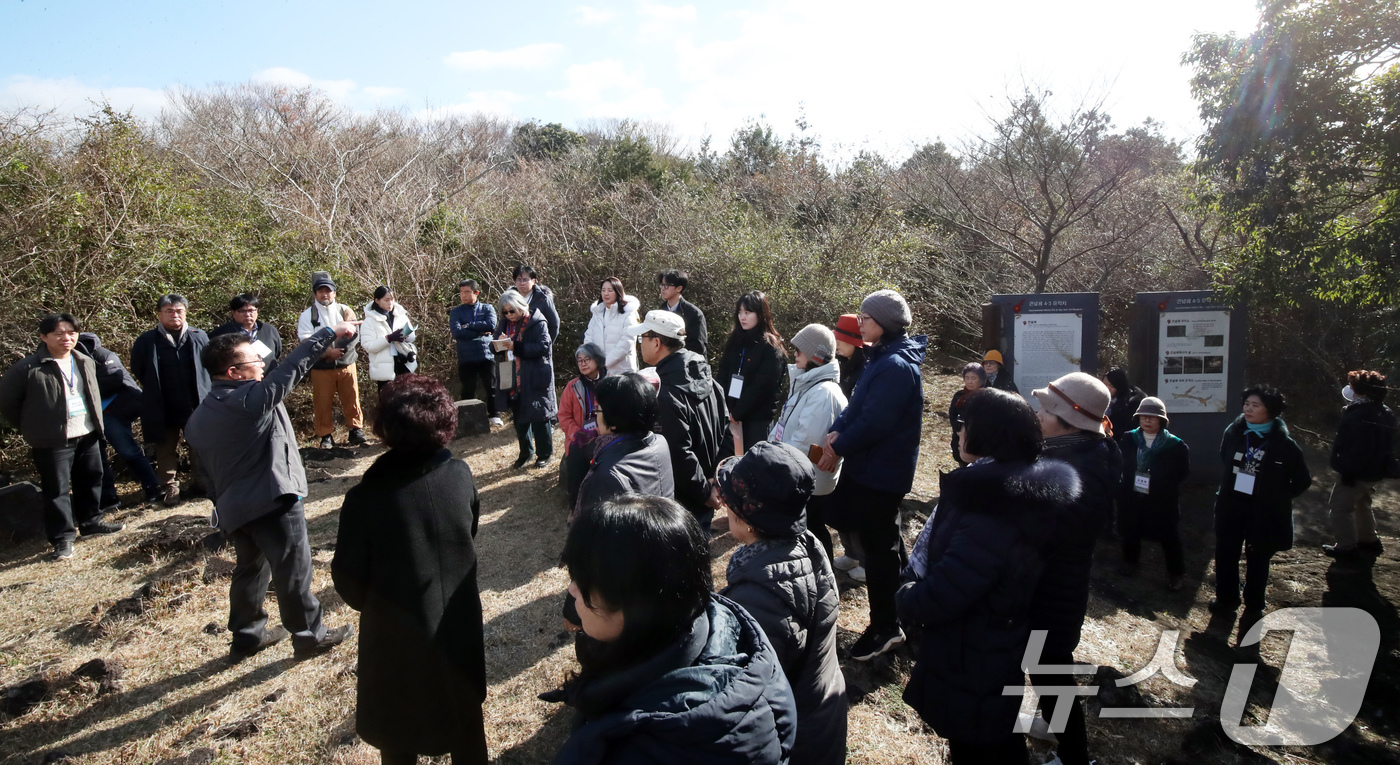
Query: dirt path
column 151, row 602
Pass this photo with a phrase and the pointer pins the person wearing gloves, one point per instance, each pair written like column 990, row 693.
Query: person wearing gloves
column 527, row 342
column 1363, row 455
column 472, row 323
column 782, row 577
column 613, row 314
column 750, row 371
column 388, row 338
column 1155, row 463
column 878, row 434
column 974, row 378
column 578, row 416
column 998, row 376
column 1264, row 472
column 675, row 673
column 334, row 375
column 814, row 402
column 1072, row 422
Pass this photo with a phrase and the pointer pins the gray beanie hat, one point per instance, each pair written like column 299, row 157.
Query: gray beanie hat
column 592, row 349
column 888, row 309
column 815, row 341
column 1153, row 407
column 321, row 279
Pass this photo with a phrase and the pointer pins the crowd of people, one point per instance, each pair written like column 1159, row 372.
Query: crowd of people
column 655, row 443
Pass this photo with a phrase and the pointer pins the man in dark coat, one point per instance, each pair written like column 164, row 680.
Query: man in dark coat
column 121, row 405
column 1072, row 412
column 1363, row 454
column 692, row 413
column 697, row 335
column 472, row 323
column 782, row 577
column 878, row 434
column 405, row 558
column 1125, row 399
column 166, row 362
column 264, row 337
column 537, row 296
column 257, row 483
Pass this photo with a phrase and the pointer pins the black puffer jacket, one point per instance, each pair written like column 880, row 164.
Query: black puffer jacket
column 1122, row 410
column 788, row 587
column 983, row 553
column 1363, row 450
column 1281, row 474
column 691, row 415
column 113, row 381
column 1062, row 595
column 717, row 696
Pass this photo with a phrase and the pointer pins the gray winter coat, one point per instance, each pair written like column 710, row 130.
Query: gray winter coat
column 246, row 444
column 628, row 465
column 814, row 402
column 788, row 588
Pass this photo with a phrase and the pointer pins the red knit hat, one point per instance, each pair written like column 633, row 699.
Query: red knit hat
column 848, row 329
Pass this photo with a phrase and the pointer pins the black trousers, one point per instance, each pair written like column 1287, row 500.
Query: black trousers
column 874, row 516
column 820, row 511
column 1012, row 751
column 1074, row 739
column 70, row 478
column 472, row 372
column 1171, row 549
column 1232, row 533
column 273, row 548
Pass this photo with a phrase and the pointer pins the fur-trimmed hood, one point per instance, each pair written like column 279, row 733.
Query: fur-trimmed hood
column 993, row 487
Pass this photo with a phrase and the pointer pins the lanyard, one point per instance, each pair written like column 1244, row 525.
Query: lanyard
column 71, row 380
column 740, row 370
column 587, row 401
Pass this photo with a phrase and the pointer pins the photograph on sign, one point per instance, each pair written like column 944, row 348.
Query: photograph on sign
column 1048, row 346
column 1193, row 347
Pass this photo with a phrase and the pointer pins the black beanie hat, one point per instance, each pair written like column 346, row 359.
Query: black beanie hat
column 769, row 487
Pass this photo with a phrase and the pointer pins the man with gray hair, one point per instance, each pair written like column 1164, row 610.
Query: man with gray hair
column 165, row 360
column 334, row 375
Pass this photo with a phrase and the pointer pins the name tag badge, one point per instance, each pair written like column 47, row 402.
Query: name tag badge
column 1244, row 483
column 1141, row 482
column 510, row 355
column 777, row 433
column 736, row 386
column 76, row 406
column 590, row 425
column 260, row 348
column 1239, row 455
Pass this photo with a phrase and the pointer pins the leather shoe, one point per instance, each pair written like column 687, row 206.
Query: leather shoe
column 270, row 638
column 99, row 527
column 62, row 550
column 332, row 639
column 356, row 437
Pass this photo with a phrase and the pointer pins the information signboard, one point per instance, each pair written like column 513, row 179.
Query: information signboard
column 1045, row 336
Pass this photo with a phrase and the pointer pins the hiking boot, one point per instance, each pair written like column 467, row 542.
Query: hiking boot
column 1371, row 548
column 327, row 442
column 62, row 550
column 876, row 641
column 92, row 528
column 154, row 494
column 541, row 462
column 844, row 563
column 270, row 638
column 171, row 498
column 332, row 639
column 357, row 437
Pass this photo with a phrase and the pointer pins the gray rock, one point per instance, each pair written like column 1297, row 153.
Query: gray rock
column 22, row 511
column 472, row 419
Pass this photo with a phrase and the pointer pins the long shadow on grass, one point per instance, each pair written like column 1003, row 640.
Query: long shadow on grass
column 40, row 734
column 518, row 639
column 546, row 741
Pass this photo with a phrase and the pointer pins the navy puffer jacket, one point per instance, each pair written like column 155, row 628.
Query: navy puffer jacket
column 882, row 424
column 983, row 554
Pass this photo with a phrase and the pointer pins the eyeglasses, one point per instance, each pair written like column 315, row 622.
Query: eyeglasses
column 862, row 318
column 254, row 361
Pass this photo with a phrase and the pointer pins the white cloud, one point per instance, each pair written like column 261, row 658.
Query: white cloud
column 340, row 90
column 589, row 16
column 70, row 96
column 536, row 56
column 663, row 20
column 498, row 102
column 382, row 94
column 608, row 89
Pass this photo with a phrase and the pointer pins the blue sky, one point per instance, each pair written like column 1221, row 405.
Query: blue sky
column 881, row 74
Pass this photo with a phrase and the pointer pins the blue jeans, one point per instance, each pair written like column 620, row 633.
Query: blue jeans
column 121, row 440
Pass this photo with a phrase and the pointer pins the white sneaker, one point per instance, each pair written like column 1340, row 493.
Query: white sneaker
column 844, row 563
column 497, row 423
column 857, row 573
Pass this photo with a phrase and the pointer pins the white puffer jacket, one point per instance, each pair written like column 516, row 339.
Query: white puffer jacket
column 812, row 406
column 374, row 339
column 608, row 330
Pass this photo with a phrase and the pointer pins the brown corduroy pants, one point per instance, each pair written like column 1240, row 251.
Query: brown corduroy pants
column 326, row 384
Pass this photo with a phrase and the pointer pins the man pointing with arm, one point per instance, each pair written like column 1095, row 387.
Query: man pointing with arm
column 257, row 482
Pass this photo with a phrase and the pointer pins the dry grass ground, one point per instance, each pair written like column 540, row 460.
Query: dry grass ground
column 146, row 601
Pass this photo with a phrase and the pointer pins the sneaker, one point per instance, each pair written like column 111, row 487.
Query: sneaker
column 270, row 638
column 1341, row 553
column 92, row 528
column 875, row 642
column 521, row 460
column 332, row 639
column 62, row 550
column 844, row 563
column 1371, row 548
column 497, row 423
column 857, row 574
column 327, row 442
column 1036, row 727
column 171, row 498
column 1173, row 583
column 541, row 462
column 357, row 437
